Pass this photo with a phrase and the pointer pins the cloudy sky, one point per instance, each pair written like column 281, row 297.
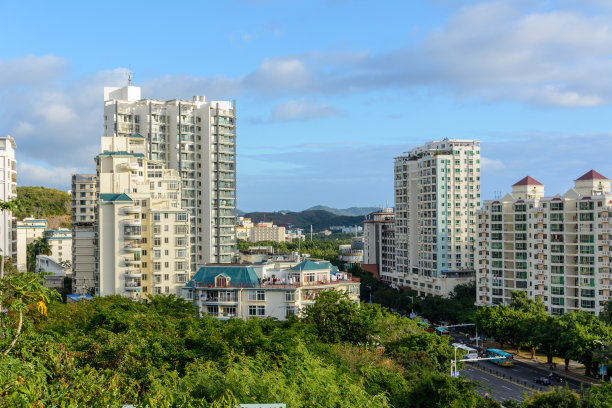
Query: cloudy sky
column 328, row 91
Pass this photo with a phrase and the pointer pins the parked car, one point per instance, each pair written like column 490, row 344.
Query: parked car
column 542, row 380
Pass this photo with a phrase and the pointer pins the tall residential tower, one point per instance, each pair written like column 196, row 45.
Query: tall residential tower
column 8, row 192
column 437, row 194
column 198, row 139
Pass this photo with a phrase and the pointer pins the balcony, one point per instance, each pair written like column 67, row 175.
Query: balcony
column 132, row 222
column 132, row 248
column 132, row 284
column 133, row 273
column 132, row 261
column 131, row 166
column 131, row 210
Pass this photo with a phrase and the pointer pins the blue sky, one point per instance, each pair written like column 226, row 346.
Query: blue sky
column 328, row 92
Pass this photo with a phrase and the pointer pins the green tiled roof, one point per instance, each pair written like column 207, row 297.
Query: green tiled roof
column 121, row 154
column 309, row 265
column 238, row 275
column 137, row 136
column 115, row 197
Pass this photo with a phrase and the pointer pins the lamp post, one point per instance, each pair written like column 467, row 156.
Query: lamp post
column 603, row 355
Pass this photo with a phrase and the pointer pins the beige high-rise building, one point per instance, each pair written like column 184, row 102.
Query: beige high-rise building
column 437, row 194
column 8, row 192
column 198, row 139
column 142, row 230
column 379, row 244
column 554, row 248
column 84, row 198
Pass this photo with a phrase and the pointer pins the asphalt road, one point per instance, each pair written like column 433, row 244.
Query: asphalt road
column 497, row 388
column 525, row 373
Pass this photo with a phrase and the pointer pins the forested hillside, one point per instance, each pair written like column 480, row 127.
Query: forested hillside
column 43, row 202
column 319, row 219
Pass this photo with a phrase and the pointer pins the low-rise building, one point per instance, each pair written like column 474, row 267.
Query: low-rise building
column 554, row 248
column 57, row 271
column 28, row 230
column 352, row 254
column 60, row 243
column 276, row 290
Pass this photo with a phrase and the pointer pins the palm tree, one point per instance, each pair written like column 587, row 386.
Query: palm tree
column 38, row 247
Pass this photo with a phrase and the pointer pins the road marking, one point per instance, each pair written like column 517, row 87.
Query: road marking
column 504, row 379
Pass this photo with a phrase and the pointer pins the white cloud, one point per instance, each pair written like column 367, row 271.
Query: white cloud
column 37, row 175
column 31, row 69
column 301, row 110
column 491, row 165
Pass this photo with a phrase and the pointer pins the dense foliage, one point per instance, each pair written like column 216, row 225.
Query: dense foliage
column 42, row 202
column 576, row 336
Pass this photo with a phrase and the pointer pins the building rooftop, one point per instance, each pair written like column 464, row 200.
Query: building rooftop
column 239, row 275
column 527, row 181
column 591, row 175
column 115, row 197
column 121, row 153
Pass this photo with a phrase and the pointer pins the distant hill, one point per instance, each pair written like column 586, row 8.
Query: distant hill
column 42, row 202
column 353, row 211
column 319, row 219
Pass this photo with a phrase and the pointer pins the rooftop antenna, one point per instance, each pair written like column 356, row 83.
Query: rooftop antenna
column 130, row 75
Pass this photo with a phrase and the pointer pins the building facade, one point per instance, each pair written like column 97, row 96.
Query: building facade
column 379, row 244
column 60, row 243
column 8, row 192
column 142, row 241
column 351, row 254
column 266, row 231
column 198, row 139
column 28, row 230
column 437, row 194
column 84, row 197
column 279, row 291
column 554, row 248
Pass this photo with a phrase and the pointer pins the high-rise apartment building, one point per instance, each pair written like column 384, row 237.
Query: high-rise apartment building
column 142, row 230
column 83, row 218
column 198, row 139
column 437, row 194
column 554, row 248
column 379, row 244
column 8, row 192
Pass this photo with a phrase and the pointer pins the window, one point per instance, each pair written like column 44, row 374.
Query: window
column 290, row 296
column 181, row 217
column 257, row 310
column 258, row 295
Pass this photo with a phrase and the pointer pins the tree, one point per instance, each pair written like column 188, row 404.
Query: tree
column 39, row 246
column 557, row 398
column 598, row 397
column 19, row 292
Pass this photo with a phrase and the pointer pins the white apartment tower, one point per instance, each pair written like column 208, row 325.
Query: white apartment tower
column 554, row 248
column 142, row 231
column 198, row 139
column 437, row 194
column 8, row 192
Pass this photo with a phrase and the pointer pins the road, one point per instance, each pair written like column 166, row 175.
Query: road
column 497, row 388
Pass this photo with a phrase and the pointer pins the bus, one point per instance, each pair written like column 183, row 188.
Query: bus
column 505, row 359
column 470, row 352
column 442, row 332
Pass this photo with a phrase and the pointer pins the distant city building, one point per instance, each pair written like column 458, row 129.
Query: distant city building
column 196, row 138
column 28, row 230
column 437, row 194
column 243, row 228
column 267, row 231
column 351, row 229
column 84, row 196
column 143, row 233
column 554, row 248
column 351, row 254
column 60, row 243
column 276, row 290
column 8, row 192
column 379, row 244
